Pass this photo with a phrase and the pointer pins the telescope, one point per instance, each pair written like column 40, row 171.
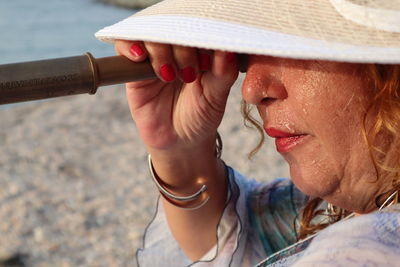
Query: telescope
column 35, row 80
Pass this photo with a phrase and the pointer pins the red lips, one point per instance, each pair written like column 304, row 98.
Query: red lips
column 275, row 133
column 285, row 141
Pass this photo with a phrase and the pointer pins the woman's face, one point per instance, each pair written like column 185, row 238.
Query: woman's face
column 315, row 111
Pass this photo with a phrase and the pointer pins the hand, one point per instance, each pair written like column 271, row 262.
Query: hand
column 184, row 107
column 177, row 116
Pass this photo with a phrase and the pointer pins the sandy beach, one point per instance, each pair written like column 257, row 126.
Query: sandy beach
column 75, row 188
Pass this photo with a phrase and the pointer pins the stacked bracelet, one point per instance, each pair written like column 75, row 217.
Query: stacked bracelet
column 185, row 202
column 177, row 200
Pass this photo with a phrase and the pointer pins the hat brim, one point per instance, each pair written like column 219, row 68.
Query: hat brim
column 221, row 35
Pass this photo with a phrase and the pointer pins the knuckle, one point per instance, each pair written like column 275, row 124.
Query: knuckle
column 121, row 47
column 158, row 52
column 185, row 55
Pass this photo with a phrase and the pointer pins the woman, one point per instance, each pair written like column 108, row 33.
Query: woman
column 334, row 114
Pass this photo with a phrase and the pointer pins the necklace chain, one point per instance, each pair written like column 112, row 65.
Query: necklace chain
column 333, row 210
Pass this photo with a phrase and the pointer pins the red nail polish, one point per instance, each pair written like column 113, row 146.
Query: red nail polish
column 167, row 73
column 204, row 62
column 188, row 75
column 230, row 57
column 136, row 50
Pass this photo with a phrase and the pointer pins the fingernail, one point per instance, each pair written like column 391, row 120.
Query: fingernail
column 167, row 73
column 188, row 75
column 230, row 57
column 136, row 50
column 204, row 62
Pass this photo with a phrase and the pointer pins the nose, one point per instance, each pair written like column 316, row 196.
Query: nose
column 263, row 81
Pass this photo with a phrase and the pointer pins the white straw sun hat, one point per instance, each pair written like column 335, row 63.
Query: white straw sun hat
column 341, row 30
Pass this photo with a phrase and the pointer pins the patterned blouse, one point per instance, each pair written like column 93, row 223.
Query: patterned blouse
column 259, row 228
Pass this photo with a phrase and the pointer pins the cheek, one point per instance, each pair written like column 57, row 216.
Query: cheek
column 337, row 127
column 332, row 110
column 319, row 167
column 332, row 113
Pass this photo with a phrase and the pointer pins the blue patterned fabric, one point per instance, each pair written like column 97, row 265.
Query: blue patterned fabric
column 258, row 228
column 367, row 240
column 273, row 213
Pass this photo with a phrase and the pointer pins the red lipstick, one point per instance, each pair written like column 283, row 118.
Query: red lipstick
column 285, row 141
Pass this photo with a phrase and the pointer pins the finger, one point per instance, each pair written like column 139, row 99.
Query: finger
column 134, row 50
column 204, row 59
column 225, row 65
column 186, row 59
column 224, row 72
column 162, row 60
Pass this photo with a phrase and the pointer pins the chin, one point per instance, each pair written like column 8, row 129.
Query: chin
column 312, row 182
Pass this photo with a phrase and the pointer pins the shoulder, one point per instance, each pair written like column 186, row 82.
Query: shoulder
column 277, row 195
column 272, row 192
column 372, row 239
column 271, row 210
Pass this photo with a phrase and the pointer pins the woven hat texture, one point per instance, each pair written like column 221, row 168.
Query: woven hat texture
column 343, row 30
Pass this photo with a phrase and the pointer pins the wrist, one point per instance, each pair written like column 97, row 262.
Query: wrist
column 185, row 153
column 184, row 170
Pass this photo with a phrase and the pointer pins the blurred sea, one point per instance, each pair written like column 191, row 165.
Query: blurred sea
column 39, row 29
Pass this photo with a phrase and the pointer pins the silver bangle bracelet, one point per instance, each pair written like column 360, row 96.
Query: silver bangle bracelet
column 186, row 206
column 170, row 195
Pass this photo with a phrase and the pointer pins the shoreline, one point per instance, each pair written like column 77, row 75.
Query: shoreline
column 131, row 4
